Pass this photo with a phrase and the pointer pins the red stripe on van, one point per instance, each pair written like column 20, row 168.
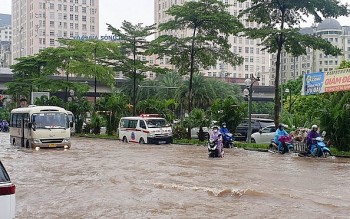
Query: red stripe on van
column 146, row 131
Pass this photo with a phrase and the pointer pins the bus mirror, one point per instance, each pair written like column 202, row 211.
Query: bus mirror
column 30, row 125
column 71, row 124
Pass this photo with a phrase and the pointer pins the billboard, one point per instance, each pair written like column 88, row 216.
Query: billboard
column 325, row 82
column 38, row 95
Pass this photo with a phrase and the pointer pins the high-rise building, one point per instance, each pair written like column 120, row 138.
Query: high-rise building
column 5, row 40
column 315, row 60
column 256, row 60
column 38, row 24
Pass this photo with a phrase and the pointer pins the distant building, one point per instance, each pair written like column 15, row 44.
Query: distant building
column 315, row 60
column 39, row 24
column 5, row 40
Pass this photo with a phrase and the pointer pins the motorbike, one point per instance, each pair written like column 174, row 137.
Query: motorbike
column 320, row 149
column 227, row 140
column 213, row 151
column 286, row 146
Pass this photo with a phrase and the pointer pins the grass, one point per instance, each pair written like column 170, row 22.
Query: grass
column 100, row 136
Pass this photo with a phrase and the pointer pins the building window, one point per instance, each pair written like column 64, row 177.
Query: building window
column 76, row 1
column 71, row 8
column 92, row 20
column 71, row 17
column 84, row 26
column 76, row 26
column 84, row 2
column 52, row 6
column 60, row 7
column 52, row 33
column 76, row 17
column 64, row 7
column 71, row 25
column 52, row 15
column 52, row 42
column 84, row 18
column 76, row 9
column 83, row 10
column 52, row 24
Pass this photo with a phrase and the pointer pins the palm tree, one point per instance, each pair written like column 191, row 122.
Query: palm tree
column 113, row 107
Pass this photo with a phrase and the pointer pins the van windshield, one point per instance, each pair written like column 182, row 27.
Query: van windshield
column 156, row 123
column 50, row 120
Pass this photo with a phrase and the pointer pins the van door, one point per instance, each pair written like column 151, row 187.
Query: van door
column 143, row 132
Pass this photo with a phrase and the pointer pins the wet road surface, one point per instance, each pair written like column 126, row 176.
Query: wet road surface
column 110, row 179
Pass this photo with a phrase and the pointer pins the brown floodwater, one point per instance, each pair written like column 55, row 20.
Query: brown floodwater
column 110, row 179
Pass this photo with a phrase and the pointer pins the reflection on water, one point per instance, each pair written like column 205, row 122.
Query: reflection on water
column 109, row 179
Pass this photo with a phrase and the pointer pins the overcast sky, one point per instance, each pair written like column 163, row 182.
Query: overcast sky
column 135, row 11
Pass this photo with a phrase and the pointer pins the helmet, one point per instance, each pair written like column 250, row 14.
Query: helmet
column 215, row 127
column 280, row 126
column 223, row 124
column 314, row 127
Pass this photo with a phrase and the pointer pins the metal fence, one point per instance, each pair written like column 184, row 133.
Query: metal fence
column 299, row 146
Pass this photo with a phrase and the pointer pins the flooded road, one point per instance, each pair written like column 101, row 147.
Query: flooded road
column 109, row 179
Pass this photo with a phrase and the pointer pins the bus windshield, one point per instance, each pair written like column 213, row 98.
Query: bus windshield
column 156, row 123
column 50, row 120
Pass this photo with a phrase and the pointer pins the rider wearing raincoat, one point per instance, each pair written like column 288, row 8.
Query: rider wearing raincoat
column 280, row 132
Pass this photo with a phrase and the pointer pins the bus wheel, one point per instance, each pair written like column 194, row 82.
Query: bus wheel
column 27, row 144
column 142, row 141
column 125, row 140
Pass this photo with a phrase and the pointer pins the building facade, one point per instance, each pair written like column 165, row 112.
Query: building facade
column 5, row 40
column 315, row 60
column 256, row 60
column 38, row 24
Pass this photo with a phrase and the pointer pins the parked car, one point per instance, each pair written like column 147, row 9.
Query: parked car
column 7, row 195
column 265, row 135
column 257, row 124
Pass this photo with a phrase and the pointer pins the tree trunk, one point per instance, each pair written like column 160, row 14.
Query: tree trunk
column 280, row 42
column 134, row 77
column 190, row 98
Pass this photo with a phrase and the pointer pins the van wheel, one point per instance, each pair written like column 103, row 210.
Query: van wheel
column 142, row 141
column 125, row 140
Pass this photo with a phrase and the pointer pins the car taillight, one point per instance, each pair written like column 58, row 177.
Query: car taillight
column 7, row 190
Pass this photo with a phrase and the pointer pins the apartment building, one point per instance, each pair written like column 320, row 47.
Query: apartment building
column 5, row 40
column 38, row 24
column 256, row 60
column 315, row 60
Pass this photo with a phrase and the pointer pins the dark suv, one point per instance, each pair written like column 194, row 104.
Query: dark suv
column 257, row 124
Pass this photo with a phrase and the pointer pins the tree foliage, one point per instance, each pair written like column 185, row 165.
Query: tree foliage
column 133, row 46
column 277, row 29
column 209, row 25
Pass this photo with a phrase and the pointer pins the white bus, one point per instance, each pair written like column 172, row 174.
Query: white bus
column 147, row 128
column 40, row 127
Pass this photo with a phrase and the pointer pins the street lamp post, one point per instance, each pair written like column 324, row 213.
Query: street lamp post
column 248, row 92
column 95, row 50
column 290, row 99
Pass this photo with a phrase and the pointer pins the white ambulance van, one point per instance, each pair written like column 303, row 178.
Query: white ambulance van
column 145, row 129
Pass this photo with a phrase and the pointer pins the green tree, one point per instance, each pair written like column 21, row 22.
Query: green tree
column 27, row 77
column 277, row 29
column 210, row 25
column 198, row 118
column 113, row 107
column 133, row 46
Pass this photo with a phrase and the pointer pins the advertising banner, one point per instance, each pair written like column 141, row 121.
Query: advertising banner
column 325, row 82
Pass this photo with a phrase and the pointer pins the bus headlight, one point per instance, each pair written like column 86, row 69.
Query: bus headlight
column 36, row 141
column 66, row 140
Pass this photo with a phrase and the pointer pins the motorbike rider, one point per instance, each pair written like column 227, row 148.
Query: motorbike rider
column 223, row 129
column 216, row 136
column 311, row 137
column 279, row 133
